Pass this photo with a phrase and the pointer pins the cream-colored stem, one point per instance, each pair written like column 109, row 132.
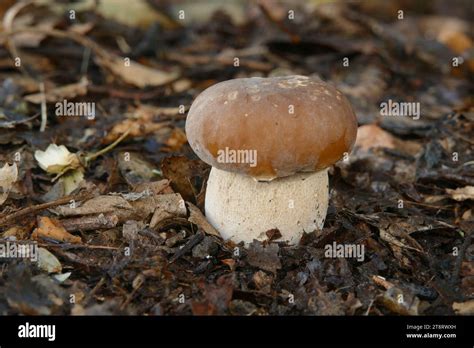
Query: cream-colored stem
column 243, row 209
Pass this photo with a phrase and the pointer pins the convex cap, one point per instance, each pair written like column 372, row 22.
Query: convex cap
column 293, row 124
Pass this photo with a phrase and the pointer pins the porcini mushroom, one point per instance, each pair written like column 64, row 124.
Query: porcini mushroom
column 269, row 142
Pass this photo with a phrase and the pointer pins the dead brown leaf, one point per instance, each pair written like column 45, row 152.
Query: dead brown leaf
column 52, row 228
column 464, row 308
column 97, row 205
column 181, row 171
column 135, row 73
column 137, row 127
column 168, row 206
column 197, row 218
column 462, row 193
column 371, row 136
column 60, row 93
column 8, row 176
column 176, row 140
column 264, row 257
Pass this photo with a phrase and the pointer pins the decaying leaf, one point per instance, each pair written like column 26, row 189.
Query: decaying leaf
column 8, row 176
column 32, row 295
column 72, row 180
column 372, row 136
column 134, row 168
column 136, row 13
column 154, row 187
column 32, row 39
column 176, row 140
column 135, row 73
column 136, row 127
column 60, row 93
column 197, row 218
column 48, row 262
column 464, row 308
column 216, row 297
column 400, row 301
column 182, row 172
column 52, row 228
column 264, row 257
column 169, row 205
column 462, row 193
column 97, row 205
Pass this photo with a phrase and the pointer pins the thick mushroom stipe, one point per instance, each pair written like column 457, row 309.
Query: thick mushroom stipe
column 243, row 209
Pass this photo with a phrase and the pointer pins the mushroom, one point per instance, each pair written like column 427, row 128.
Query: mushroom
column 269, row 142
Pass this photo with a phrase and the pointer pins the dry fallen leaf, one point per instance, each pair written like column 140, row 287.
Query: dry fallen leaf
column 32, row 39
column 154, row 187
column 371, row 136
column 451, row 31
column 137, row 13
column 8, row 176
column 48, row 262
column 168, row 206
column 462, row 193
column 464, row 308
column 60, row 93
column 176, row 140
column 137, row 128
column 264, row 257
column 135, row 73
column 19, row 232
column 135, row 168
column 399, row 301
column 97, row 205
column 52, row 228
column 71, row 181
column 182, row 172
column 197, row 218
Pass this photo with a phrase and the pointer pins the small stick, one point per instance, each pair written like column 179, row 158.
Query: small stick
column 77, row 246
column 43, row 206
column 44, row 114
column 92, row 156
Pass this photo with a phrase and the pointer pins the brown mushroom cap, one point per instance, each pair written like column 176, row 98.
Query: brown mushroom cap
column 294, row 123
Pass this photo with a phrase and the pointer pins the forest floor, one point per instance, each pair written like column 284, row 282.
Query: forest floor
column 105, row 211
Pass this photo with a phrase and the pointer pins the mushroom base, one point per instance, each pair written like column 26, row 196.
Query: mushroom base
column 243, row 209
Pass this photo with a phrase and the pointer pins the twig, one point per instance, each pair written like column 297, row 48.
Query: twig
column 61, row 34
column 7, row 22
column 44, row 114
column 39, row 207
column 68, row 246
column 429, row 205
column 10, row 124
column 85, row 60
column 199, row 236
column 87, row 223
column 106, row 149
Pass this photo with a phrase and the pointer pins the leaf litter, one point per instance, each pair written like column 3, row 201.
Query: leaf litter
column 124, row 219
